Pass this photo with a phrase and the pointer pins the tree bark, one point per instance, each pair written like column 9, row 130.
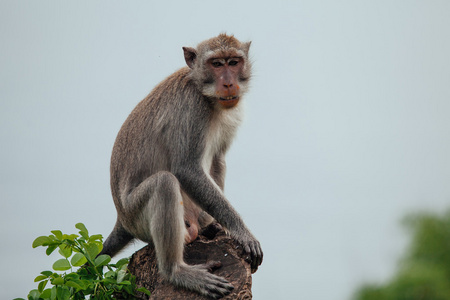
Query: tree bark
column 235, row 268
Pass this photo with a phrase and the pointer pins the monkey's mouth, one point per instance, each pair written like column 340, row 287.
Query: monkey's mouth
column 229, row 102
column 230, row 98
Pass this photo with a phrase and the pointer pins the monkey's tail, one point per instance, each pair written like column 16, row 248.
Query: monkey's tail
column 116, row 240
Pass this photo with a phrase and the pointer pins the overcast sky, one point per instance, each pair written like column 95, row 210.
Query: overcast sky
column 347, row 126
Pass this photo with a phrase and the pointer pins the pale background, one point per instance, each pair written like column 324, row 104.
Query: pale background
column 347, row 127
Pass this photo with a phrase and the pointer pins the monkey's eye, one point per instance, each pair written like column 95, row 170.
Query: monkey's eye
column 233, row 63
column 217, row 64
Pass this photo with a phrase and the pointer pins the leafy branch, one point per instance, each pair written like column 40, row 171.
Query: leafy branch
column 82, row 252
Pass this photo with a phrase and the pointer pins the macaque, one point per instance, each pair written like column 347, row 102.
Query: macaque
column 168, row 166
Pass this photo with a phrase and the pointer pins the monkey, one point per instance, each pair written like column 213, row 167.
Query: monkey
column 168, row 164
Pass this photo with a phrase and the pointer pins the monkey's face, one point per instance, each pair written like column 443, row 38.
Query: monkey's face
column 221, row 69
column 226, row 74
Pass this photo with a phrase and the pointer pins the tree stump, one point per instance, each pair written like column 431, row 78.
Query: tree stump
column 235, row 268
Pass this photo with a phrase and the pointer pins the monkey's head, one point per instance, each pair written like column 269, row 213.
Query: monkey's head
column 220, row 67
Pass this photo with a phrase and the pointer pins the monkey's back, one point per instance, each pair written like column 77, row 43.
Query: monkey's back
column 161, row 126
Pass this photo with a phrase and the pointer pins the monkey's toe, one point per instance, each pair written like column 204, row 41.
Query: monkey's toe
column 219, row 290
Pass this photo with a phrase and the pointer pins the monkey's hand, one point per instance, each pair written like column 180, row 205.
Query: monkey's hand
column 252, row 248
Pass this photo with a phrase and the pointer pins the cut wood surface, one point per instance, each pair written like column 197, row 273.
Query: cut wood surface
column 235, row 268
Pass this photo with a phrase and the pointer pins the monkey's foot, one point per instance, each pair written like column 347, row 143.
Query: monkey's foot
column 234, row 268
column 197, row 278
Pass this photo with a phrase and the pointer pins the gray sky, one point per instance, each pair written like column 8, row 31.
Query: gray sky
column 347, row 126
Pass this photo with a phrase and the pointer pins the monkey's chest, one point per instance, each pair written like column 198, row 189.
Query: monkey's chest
column 220, row 134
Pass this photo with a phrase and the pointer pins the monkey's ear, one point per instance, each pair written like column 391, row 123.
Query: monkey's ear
column 190, row 54
column 246, row 47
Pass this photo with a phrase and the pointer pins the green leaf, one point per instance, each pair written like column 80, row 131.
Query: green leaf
column 34, row 295
column 129, row 289
column 53, row 295
column 99, row 246
column 40, row 277
column 61, row 265
column 102, row 260
column 62, row 293
column 41, row 285
column 65, row 250
column 81, row 227
column 123, row 268
column 143, row 290
column 109, row 281
column 74, row 284
column 87, row 284
column 47, row 273
column 41, row 241
column 18, row 299
column 83, row 272
column 84, row 285
column 78, row 260
column 50, row 249
column 95, row 237
column 58, row 281
column 83, row 231
column 46, row 294
column 70, row 237
column 110, row 274
column 121, row 262
column 72, row 276
column 58, row 234
column 121, row 274
column 92, row 250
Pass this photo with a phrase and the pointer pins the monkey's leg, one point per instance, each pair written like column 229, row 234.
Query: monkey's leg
column 165, row 215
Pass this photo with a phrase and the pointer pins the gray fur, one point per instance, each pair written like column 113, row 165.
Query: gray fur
column 168, row 161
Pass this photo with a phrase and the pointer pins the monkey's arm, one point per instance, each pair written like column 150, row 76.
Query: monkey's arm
column 210, row 198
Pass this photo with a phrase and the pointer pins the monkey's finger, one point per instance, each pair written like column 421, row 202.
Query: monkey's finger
column 212, row 293
column 254, row 263
column 217, row 287
column 256, row 252
column 258, row 261
column 214, row 279
column 224, row 282
column 217, row 295
column 259, row 254
column 220, row 288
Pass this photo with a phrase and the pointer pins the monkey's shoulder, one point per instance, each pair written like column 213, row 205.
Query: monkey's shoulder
column 174, row 84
